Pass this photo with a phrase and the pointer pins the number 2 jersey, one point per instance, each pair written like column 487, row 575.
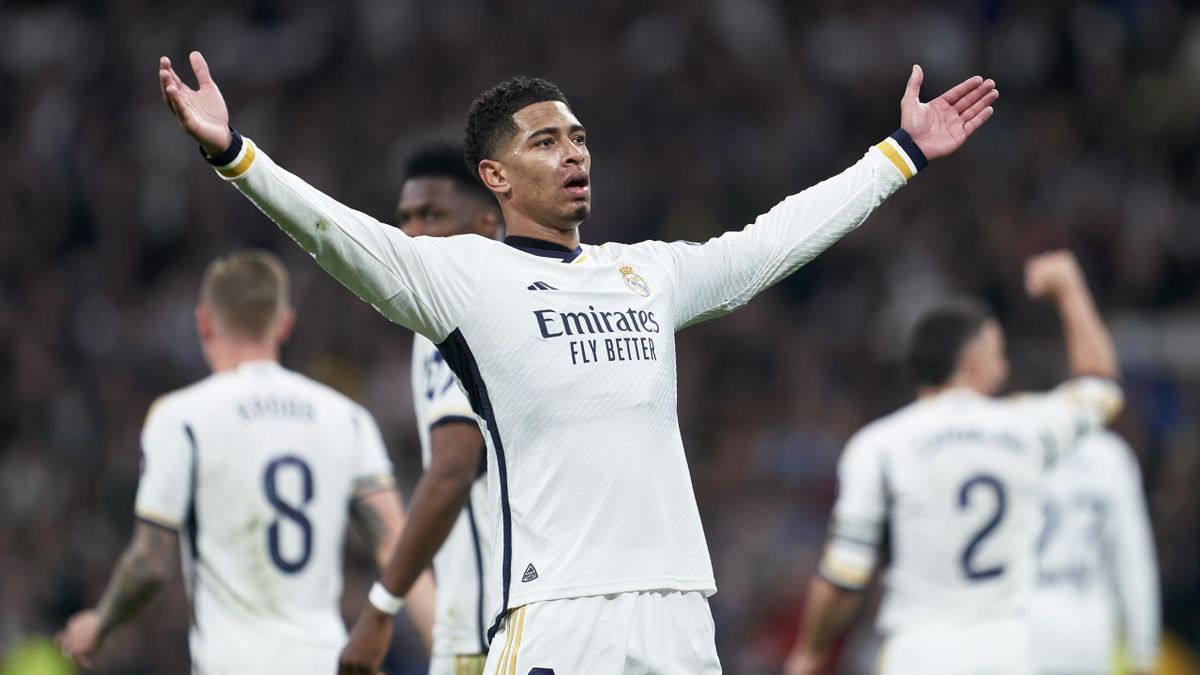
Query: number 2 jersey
column 460, row 624
column 256, row 468
column 568, row 360
column 956, row 479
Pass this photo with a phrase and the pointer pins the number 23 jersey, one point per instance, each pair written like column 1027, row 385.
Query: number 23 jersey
column 957, row 478
column 256, row 468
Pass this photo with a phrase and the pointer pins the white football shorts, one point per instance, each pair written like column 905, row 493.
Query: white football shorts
column 659, row 632
column 456, row 664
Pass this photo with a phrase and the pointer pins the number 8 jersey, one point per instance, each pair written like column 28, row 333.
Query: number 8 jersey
column 957, row 477
column 256, row 468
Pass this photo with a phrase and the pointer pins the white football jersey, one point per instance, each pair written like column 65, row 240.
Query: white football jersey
column 568, row 360
column 460, row 625
column 1097, row 576
column 957, row 480
column 256, row 468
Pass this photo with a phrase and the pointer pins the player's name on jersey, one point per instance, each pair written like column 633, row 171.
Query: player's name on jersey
column 956, row 436
column 271, row 407
column 555, row 324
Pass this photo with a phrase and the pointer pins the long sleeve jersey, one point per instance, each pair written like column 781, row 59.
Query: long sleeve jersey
column 956, row 479
column 255, row 467
column 568, row 360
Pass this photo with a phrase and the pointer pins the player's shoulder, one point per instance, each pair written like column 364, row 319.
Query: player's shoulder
column 907, row 415
column 461, row 242
column 877, row 432
column 1109, row 449
column 652, row 247
column 1073, row 389
column 174, row 404
column 460, row 249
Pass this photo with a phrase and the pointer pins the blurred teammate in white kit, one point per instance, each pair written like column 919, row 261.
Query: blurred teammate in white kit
column 956, row 476
column 255, row 470
column 440, row 198
column 1097, row 578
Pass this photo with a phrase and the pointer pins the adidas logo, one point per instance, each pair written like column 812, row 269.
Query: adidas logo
column 540, row 286
column 530, row 573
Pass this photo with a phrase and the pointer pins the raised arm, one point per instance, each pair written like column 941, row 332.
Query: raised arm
column 724, row 273
column 1056, row 275
column 146, row 565
column 421, row 283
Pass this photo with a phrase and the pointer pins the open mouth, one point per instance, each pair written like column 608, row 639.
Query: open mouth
column 577, row 184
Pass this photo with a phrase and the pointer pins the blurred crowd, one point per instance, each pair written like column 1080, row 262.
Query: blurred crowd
column 700, row 116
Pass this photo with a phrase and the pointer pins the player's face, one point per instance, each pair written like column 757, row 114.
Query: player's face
column 991, row 364
column 434, row 207
column 547, row 166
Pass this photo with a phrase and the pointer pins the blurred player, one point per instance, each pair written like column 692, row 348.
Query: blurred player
column 255, row 465
column 440, row 198
column 567, row 354
column 956, row 478
column 1097, row 583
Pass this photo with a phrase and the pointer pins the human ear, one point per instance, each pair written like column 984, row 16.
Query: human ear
column 494, row 176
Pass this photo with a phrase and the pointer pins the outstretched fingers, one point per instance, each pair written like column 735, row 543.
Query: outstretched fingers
column 168, row 80
column 962, row 89
column 984, row 101
column 200, row 67
column 971, row 125
column 974, row 95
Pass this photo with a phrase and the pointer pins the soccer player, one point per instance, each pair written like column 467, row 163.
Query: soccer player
column 255, row 467
column 567, row 354
column 441, row 198
column 956, row 478
column 1097, row 579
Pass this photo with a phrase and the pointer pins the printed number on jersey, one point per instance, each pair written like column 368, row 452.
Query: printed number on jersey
column 438, row 376
column 981, row 488
column 1079, row 521
column 288, row 483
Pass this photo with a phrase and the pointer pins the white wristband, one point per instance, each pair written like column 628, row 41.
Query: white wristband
column 383, row 600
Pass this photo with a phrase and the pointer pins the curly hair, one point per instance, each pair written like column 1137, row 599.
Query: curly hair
column 444, row 159
column 490, row 121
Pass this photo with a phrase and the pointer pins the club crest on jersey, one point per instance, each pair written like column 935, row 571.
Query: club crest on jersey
column 635, row 282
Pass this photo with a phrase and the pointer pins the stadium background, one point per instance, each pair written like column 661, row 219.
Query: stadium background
column 701, row 115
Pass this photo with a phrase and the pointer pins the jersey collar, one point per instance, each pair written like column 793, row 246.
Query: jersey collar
column 545, row 249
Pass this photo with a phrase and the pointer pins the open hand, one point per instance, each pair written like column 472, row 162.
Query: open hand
column 1052, row 274
column 940, row 126
column 201, row 111
column 80, row 640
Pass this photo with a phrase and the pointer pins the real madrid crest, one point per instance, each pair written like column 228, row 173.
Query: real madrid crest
column 635, row 282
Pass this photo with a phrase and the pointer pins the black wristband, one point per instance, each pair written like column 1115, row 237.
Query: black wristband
column 910, row 148
column 228, row 154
